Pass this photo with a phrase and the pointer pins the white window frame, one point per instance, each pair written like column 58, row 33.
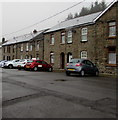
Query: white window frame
column 21, row 49
column 52, row 39
column 63, row 38
column 69, row 36
column 52, row 58
column 112, row 58
column 30, row 47
column 27, row 46
column 112, row 29
column 84, row 54
column 84, row 33
column 37, row 46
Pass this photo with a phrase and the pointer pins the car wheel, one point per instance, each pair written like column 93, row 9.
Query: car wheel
column 10, row 66
column 82, row 73
column 35, row 68
column 68, row 73
column 19, row 68
column 50, row 69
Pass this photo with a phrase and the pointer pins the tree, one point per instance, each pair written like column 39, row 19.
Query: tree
column 95, row 7
column 70, row 16
column 76, row 15
column 84, row 11
column 103, row 5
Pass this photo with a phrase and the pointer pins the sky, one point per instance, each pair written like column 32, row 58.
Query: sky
column 15, row 16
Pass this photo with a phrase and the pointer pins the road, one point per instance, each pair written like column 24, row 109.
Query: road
column 29, row 94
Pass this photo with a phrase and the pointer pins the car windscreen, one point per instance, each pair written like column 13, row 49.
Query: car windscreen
column 74, row 61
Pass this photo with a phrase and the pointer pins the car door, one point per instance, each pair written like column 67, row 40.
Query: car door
column 45, row 65
column 39, row 64
column 90, row 67
column 15, row 63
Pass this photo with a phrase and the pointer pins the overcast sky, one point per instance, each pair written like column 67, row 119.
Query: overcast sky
column 18, row 15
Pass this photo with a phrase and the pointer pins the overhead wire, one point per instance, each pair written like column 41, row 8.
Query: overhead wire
column 44, row 19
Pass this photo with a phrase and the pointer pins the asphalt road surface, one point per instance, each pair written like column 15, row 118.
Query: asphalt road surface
column 29, row 94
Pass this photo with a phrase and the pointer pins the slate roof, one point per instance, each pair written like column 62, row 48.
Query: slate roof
column 88, row 19
column 22, row 38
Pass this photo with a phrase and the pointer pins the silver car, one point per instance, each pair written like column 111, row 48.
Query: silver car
column 81, row 66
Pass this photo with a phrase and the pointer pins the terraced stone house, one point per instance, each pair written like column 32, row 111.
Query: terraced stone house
column 91, row 37
column 25, row 46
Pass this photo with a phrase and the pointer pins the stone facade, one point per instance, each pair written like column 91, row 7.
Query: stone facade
column 0, row 51
column 99, row 45
column 61, row 50
column 106, row 44
column 33, row 48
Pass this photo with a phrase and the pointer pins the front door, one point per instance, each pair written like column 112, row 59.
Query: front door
column 62, row 60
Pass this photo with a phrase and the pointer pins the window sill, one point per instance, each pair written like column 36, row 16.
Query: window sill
column 84, row 41
column 70, row 43
column 112, row 37
column 111, row 65
column 62, row 43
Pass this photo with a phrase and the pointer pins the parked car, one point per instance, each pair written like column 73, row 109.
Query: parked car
column 2, row 62
column 21, row 64
column 12, row 63
column 38, row 65
column 81, row 66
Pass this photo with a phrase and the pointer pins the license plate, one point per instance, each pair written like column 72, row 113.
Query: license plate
column 27, row 67
column 71, row 69
column 39, row 65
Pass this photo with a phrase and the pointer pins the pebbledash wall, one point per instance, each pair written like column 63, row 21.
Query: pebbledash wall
column 93, row 37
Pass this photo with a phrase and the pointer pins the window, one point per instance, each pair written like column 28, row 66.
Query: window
column 52, row 57
column 89, row 63
column 83, row 54
column 21, row 49
column 69, row 37
column 27, row 57
column 69, row 57
column 27, row 47
column 43, row 62
column 37, row 56
column 112, row 58
column 14, row 48
column 112, row 29
column 21, row 57
column 62, row 37
column 5, row 49
column 37, row 46
column 30, row 57
column 52, row 39
column 84, row 34
column 30, row 47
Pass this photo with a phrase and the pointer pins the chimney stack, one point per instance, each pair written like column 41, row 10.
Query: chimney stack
column 3, row 40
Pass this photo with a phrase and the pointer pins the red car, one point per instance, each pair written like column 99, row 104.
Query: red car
column 38, row 65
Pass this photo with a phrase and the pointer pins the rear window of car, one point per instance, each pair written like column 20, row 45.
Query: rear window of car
column 74, row 61
column 30, row 61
